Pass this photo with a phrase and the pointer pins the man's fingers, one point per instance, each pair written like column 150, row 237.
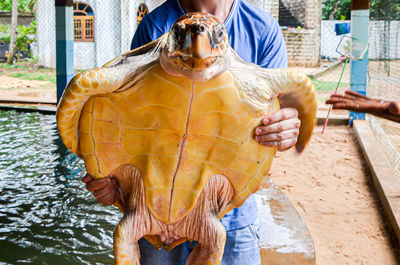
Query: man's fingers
column 278, row 136
column 354, row 94
column 281, row 145
column 347, row 106
column 278, row 127
column 97, row 184
column 115, row 183
column 108, row 199
column 87, row 178
column 280, row 115
column 104, row 191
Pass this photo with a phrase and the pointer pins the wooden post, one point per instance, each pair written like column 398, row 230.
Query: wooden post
column 64, row 44
column 359, row 69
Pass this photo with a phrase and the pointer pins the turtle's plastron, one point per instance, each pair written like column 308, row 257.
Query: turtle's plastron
column 173, row 121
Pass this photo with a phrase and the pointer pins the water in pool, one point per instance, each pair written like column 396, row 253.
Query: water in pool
column 46, row 214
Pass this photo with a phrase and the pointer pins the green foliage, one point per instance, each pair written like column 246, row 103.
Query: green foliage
column 380, row 9
column 26, row 6
column 385, row 10
column 25, row 35
column 13, row 66
column 336, row 9
column 35, row 76
column 326, row 86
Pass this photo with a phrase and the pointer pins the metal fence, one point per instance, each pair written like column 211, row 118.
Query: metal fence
column 384, row 80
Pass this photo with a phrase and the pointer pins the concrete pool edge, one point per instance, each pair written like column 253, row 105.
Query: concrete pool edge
column 44, row 109
column 385, row 182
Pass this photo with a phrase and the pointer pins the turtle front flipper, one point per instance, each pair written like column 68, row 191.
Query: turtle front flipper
column 257, row 86
column 297, row 91
column 76, row 94
column 119, row 73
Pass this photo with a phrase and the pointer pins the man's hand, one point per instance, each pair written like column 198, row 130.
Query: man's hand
column 279, row 129
column 105, row 190
column 354, row 101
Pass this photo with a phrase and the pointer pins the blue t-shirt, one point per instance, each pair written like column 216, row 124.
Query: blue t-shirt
column 253, row 34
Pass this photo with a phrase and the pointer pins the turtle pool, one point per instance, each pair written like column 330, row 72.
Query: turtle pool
column 46, row 215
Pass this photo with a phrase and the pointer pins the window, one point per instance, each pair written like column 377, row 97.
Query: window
column 83, row 22
column 141, row 12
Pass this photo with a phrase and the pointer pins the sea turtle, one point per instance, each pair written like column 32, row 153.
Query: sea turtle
column 173, row 121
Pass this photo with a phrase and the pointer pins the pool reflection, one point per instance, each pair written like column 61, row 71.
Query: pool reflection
column 46, row 215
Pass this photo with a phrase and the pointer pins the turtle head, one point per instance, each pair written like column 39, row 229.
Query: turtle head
column 197, row 47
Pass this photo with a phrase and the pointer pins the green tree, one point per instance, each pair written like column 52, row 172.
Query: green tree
column 380, row 9
column 24, row 6
column 336, row 9
column 25, row 35
column 385, row 10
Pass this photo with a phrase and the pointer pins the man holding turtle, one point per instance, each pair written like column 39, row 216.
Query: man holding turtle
column 257, row 38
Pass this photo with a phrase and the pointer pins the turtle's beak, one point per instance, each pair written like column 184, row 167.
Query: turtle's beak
column 200, row 46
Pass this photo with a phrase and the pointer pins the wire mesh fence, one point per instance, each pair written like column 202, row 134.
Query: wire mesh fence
column 384, row 77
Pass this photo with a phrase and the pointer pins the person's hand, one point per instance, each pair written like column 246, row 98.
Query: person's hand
column 105, row 190
column 354, row 101
column 279, row 129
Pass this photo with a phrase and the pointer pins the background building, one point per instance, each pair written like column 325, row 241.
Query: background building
column 104, row 29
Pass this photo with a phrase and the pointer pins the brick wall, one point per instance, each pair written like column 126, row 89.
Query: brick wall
column 313, row 14
column 270, row 6
column 303, row 47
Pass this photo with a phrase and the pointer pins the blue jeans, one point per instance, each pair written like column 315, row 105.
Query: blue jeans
column 241, row 248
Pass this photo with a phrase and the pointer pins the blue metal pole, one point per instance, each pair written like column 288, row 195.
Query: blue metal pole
column 64, row 44
column 359, row 69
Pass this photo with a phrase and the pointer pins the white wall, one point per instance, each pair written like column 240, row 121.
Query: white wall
column 84, row 55
column 46, row 33
column 329, row 40
column 107, row 30
column 115, row 24
column 384, row 39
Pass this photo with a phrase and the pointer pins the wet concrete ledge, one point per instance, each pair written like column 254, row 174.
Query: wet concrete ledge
column 385, row 181
column 44, row 109
column 325, row 70
column 284, row 238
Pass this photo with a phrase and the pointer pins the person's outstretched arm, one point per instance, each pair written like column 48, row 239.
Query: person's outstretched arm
column 354, row 101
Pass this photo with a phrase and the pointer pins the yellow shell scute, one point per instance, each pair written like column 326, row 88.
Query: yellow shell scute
column 106, row 131
column 86, row 144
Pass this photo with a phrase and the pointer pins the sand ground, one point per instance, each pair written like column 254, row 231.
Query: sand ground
column 330, row 186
